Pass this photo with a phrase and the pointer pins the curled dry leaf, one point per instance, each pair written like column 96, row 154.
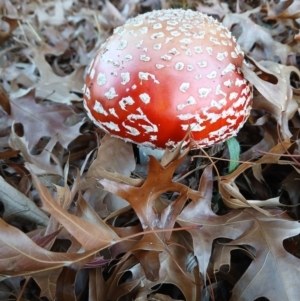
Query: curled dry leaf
column 111, row 13
column 284, row 9
column 269, row 141
column 252, row 34
column 216, row 8
column 90, row 236
column 10, row 9
column 44, row 120
column 41, row 163
column 276, row 91
column 154, row 214
column 47, row 282
column 53, row 87
column 4, row 101
column 272, row 261
column 290, row 185
column 229, row 190
column 263, row 235
column 143, row 198
column 276, row 9
column 16, row 204
column 171, row 270
column 57, row 9
column 87, row 213
column 21, row 256
column 114, row 156
column 199, row 212
column 7, row 26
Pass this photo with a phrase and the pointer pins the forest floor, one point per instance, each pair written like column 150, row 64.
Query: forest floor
column 83, row 218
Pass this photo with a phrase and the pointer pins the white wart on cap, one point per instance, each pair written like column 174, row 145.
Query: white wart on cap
column 165, row 72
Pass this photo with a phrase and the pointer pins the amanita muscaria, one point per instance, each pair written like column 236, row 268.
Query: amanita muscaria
column 164, row 73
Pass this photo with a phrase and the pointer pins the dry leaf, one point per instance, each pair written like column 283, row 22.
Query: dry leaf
column 277, row 97
column 41, row 163
column 17, row 205
column 90, row 236
column 21, row 256
column 271, row 262
column 114, row 155
column 44, row 120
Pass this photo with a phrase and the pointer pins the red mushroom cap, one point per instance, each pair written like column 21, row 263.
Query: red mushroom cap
column 165, row 72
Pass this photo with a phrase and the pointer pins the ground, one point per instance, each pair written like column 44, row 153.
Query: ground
column 82, row 218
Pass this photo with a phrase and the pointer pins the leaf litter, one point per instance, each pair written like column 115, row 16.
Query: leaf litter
column 83, row 219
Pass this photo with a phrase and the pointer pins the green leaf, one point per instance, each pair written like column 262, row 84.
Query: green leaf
column 234, row 153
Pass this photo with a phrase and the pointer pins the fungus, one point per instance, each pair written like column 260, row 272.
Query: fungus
column 164, row 73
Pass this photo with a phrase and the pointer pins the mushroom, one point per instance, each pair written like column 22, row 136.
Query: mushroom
column 167, row 72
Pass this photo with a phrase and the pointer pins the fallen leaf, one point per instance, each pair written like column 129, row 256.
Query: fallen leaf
column 199, row 212
column 114, row 155
column 251, row 35
column 90, row 236
column 53, row 87
column 21, row 256
column 271, row 262
column 44, row 120
column 17, row 205
column 277, row 97
column 229, row 190
column 41, row 163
